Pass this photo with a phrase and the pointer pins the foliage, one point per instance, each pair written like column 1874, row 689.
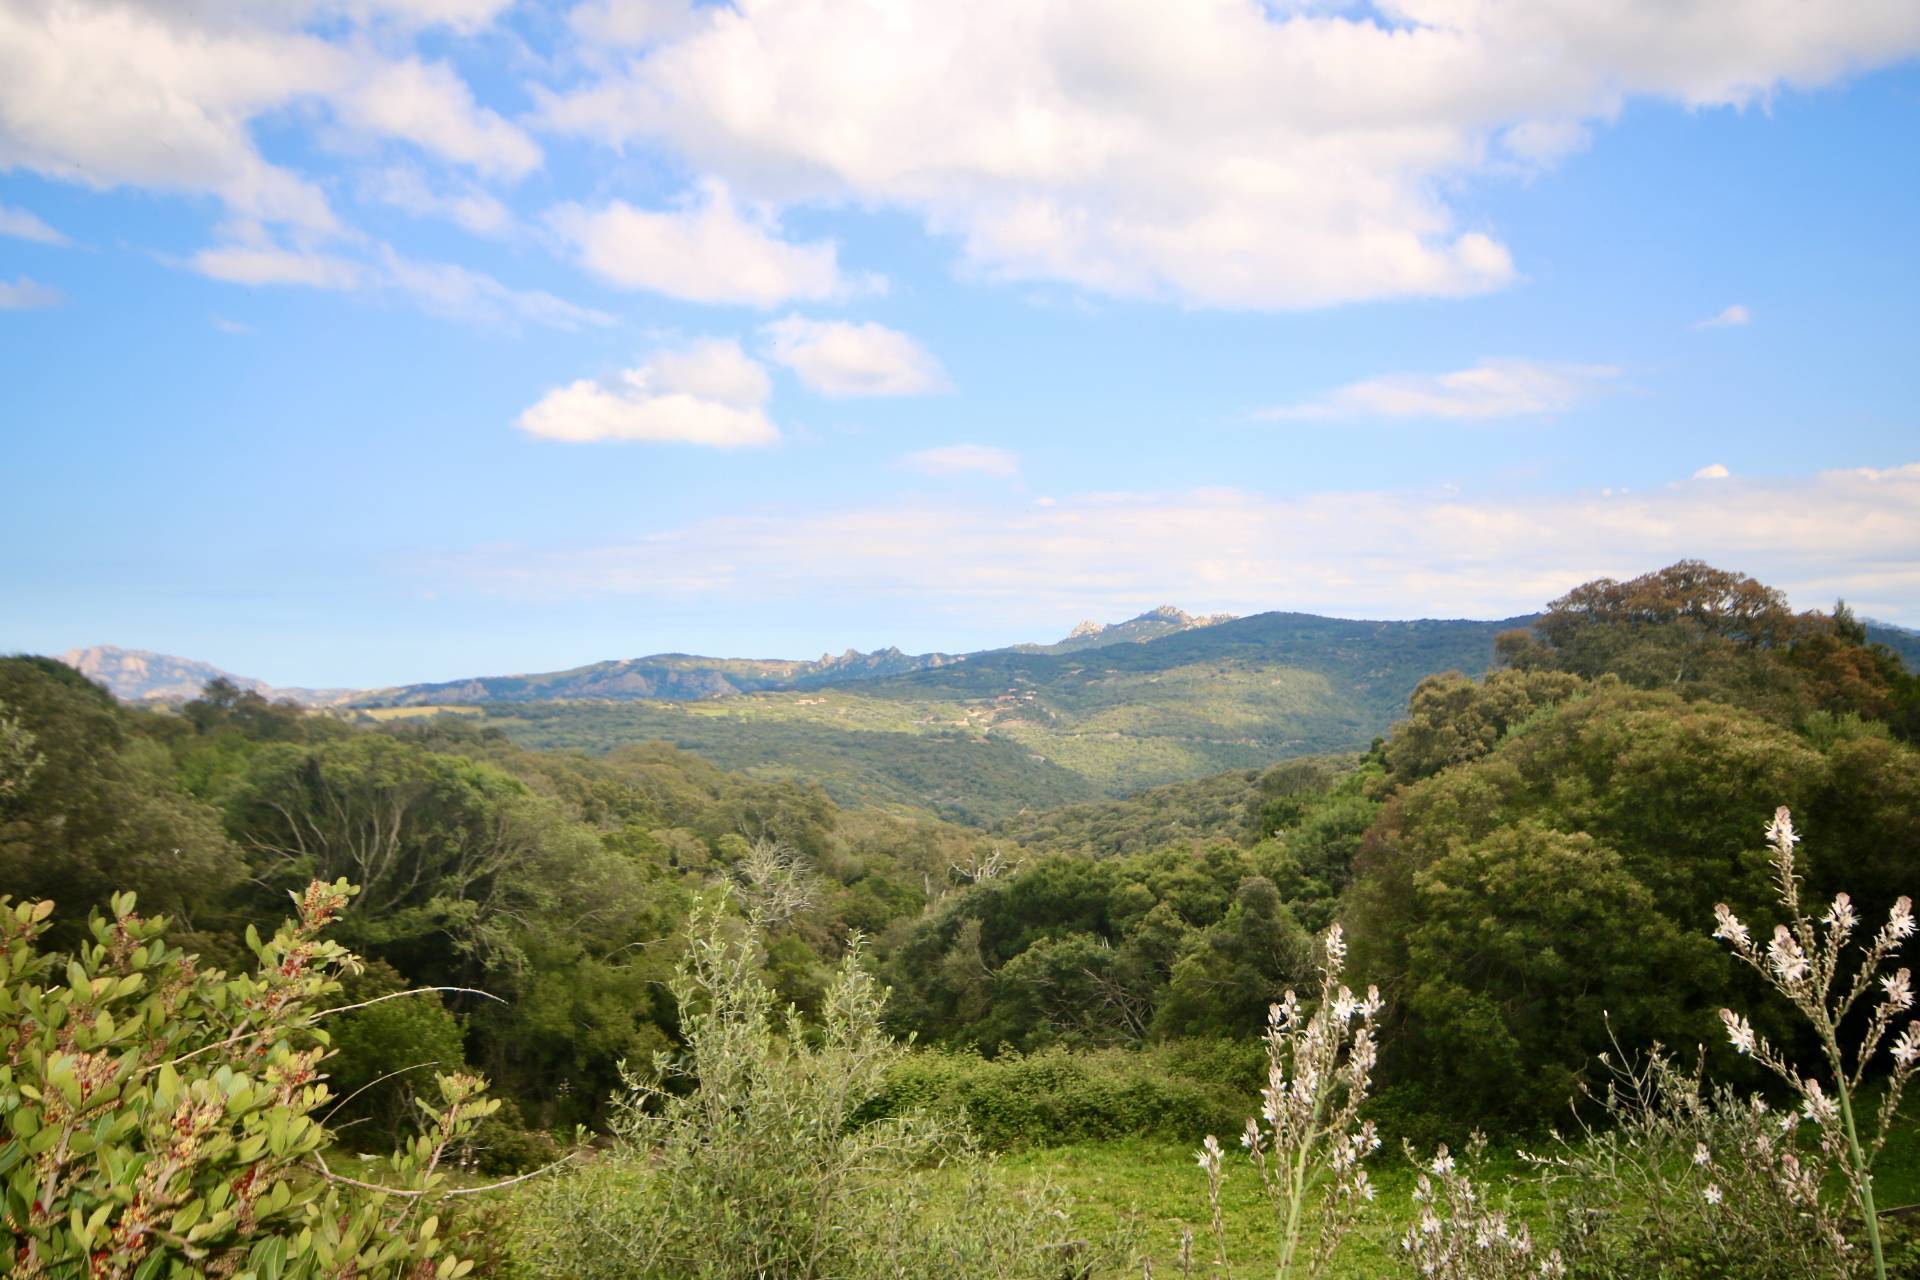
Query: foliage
column 384, row 1053
column 18, row 760
column 100, row 810
column 1709, row 633
column 1505, row 902
column 160, row 1116
column 759, row 1170
column 1057, row 1096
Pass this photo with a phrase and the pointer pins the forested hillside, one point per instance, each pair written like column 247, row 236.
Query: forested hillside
column 998, row 733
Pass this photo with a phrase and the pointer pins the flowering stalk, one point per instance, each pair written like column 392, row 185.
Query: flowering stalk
column 1308, row 1133
column 1802, row 961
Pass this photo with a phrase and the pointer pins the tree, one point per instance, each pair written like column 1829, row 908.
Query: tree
column 98, row 809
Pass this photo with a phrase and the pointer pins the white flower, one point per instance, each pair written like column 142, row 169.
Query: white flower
column 1442, row 1163
column 1739, row 1031
column 1899, row 989
column 1907, row 1048
column 1730, row 928
column 1900, row 919
column 1840, row 915
column 1336, row 946
column 1786, row 957
column 1780, row 832
column 1711, row 1194
column 1701, row 1156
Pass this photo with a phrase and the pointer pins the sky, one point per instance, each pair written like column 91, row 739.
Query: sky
column 359, row 342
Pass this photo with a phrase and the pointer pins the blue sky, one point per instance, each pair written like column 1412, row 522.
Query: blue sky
column 358, row 342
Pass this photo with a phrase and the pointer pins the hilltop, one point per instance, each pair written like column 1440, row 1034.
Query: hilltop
column 140, row 675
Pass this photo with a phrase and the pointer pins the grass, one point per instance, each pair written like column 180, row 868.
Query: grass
column 384, row 714
column 1152, row 1189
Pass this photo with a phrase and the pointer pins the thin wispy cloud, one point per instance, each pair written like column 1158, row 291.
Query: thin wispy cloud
column 441, row 289
column 27, row 295
column 962, row 459
column 1353, row 553
column 1490, row 389
column 23, row 225
column 709, row 393
column 1732, row 317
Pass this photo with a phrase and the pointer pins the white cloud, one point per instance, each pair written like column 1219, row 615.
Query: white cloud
column 165, row 96
column 427, row 104
column 1712, row 471
column 1232, row 153
column 233, row 328
column 110, row 96
column 1360, row 554
column 835, row 358
column 258, row 263
column 1491, row 389
column 22, row 225
column 955, row 459
column 470, row 209
column 710, row 393
column 1733, row 317
column 460, row 293
column 631, row 23
column 26, row 295
column 439, row 288
column 702, row 251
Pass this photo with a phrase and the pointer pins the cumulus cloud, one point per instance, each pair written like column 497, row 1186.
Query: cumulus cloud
column 1491, row 389
column 956, row 459
column 710, row 393
column 22, row 225
column 703, row 250
column 1365, row 554
column 165, row 96
column 26, row 295
column 1232, row 154
column 1712, row 471
column 835, row 358
column 1733, row 317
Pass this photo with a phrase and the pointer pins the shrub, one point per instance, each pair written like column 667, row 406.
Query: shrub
column 1675, row 1178
column 159, row 1117
column 1060, row 1096
column 761, row 1170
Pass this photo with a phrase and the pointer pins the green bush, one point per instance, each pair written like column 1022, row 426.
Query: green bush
column 761, row 1170
column 159, row 1118
column 1177, row 1090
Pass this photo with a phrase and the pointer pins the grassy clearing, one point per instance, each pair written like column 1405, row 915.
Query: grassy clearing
column 383, row 714
column 1153, row 1189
